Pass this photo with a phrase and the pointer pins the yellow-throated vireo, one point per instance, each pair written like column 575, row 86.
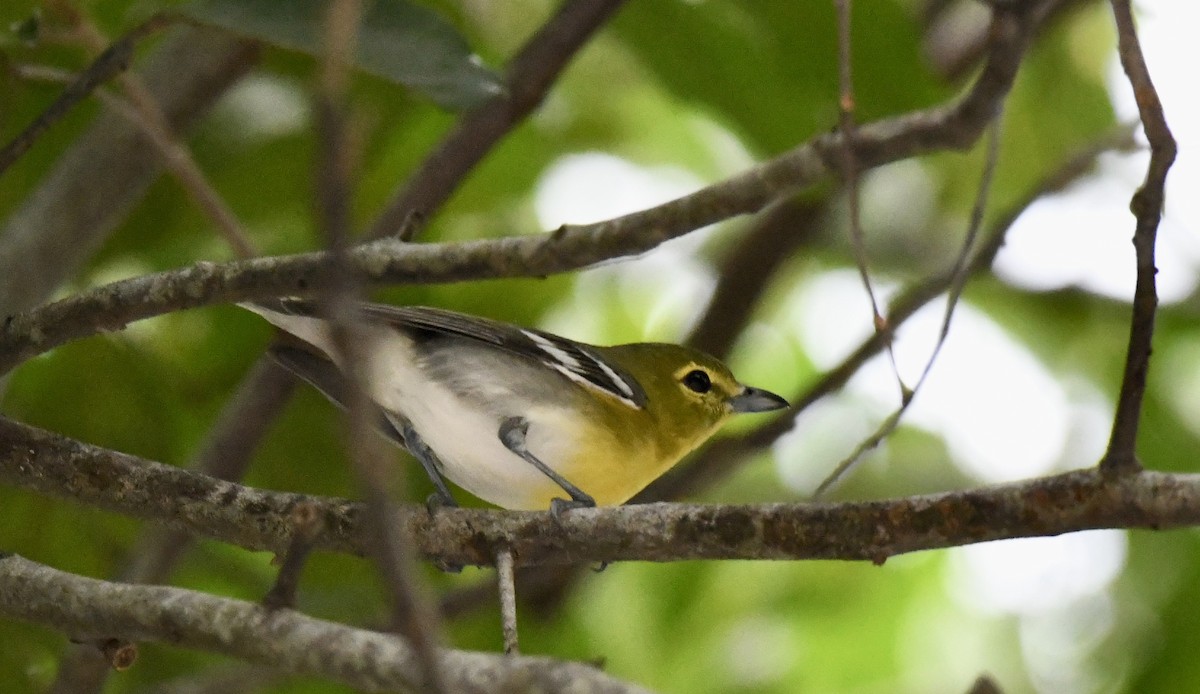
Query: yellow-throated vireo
column 519, row 417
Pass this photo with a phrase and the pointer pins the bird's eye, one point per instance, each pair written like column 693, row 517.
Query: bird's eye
column 698, row 381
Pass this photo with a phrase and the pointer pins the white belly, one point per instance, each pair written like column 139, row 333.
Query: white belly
column 466, row 438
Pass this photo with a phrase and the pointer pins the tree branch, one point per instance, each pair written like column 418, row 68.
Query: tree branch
column 112, row 306
column 1082, row 500
column 284, row 639
column 1147, row 206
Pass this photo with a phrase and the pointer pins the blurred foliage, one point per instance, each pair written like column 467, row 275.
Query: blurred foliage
column 397, row 40
column 703, row 88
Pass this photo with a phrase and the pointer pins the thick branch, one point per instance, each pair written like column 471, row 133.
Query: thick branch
column 283, row 639
column 112, row 306
column 57, row 466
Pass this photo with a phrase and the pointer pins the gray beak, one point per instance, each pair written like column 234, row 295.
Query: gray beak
column 756, row 400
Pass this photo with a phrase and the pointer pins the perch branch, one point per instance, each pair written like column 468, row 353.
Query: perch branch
column 54, row 465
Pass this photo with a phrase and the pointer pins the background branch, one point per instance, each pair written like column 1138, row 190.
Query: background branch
column 111, row 62
column 283, row 639
column 106, row 171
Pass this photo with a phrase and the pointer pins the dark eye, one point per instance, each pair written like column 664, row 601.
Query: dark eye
column 698, row 381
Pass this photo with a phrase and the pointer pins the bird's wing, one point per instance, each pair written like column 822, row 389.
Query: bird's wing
column 579, row 362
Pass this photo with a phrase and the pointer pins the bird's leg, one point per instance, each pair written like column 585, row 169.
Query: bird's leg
column 512, row 435
column 423, row 453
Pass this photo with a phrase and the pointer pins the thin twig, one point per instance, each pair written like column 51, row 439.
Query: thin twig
column 113, row 61
column 144, row 112
column 148, row 115
column 306, row 526
column 506, row 581
column 958, row 278
column 97, row 180
column 119, row 653
column 413, row 614
column 1147, row 206
column 851, row 177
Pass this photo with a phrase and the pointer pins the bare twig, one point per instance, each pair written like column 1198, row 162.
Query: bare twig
column 107, row 169
column 107, row 65
column 50, row 464
column 530, row 74
column 413, row 614
column 285, row 640
column 118, row 653
column 1147, row 206
column 175, row 155
column 142, row 111
column 506, row 581
column 958, row 276
column 850, row 177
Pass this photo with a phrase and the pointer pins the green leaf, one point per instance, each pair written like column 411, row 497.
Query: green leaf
column 398, row 41
column 768, row 70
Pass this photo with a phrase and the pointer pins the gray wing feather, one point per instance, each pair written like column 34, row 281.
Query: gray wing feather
column 575, row 360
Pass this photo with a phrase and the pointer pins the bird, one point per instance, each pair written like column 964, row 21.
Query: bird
column 518, row 417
